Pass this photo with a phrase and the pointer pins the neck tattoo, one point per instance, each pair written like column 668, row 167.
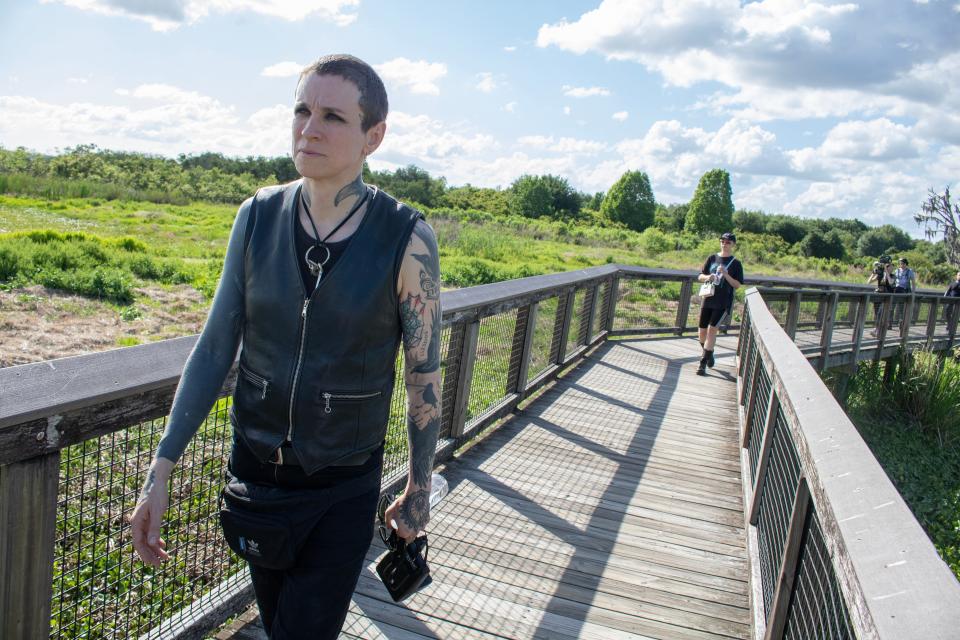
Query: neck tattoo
column 320, row 244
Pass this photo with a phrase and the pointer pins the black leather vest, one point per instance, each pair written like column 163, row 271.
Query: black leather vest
column 318, row 368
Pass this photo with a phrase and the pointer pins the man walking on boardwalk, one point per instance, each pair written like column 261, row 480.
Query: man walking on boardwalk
column 322, row 279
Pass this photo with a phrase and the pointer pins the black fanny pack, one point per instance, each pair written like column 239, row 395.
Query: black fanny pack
column 267, row 526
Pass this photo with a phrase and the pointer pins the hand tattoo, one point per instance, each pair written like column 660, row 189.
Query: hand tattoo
column 415, row 510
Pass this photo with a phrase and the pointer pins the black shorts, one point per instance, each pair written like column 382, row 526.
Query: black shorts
column 712, row 317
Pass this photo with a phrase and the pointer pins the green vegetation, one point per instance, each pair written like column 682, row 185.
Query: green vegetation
column 711, row 209
column 910, row 418
column 630, row 201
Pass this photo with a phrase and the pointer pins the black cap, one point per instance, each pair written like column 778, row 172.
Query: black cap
column 885, row 259
column 904, row 261
column 729, row 236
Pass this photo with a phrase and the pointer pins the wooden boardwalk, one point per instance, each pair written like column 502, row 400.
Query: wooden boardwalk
column 610, row 507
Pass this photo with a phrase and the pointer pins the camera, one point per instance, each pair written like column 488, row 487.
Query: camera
column 403, row 569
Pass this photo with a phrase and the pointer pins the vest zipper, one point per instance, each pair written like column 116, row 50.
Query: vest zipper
column 296, row 371
column 327, row 397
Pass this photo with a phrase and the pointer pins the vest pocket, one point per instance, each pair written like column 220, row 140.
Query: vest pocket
column 260, row 384
column 331, row 399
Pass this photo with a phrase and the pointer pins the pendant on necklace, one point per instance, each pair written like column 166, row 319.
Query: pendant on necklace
column 316, row 268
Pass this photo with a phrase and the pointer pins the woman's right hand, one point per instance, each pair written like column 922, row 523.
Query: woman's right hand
column 148, row 514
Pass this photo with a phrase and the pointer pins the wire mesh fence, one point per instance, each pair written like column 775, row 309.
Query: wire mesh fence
column 100, row 590
column 777, row 494
column 576, row 321
column 817, row 608
column 489, row 386
column 647, row 304
column 543, row 332
column 758, row 420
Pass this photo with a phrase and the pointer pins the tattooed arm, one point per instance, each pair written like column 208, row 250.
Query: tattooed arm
column 419, row 291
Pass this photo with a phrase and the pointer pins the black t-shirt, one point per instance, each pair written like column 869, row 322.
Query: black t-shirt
column 953, row 291
column 303, row 242
column 722, row 297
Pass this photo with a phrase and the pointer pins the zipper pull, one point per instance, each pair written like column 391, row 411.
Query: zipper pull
column 326, row 399
column 263, row 396
column 303, row 314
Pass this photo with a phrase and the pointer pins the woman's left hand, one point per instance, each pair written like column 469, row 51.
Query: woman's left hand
column 409, row 513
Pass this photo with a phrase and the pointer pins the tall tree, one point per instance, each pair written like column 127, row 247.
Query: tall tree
column 940, row 217
column 883, row 239
column 546, row 195
column 711, row 209
column 630, row 201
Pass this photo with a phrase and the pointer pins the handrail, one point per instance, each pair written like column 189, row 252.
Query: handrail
column 77, row 433
column 893, row 583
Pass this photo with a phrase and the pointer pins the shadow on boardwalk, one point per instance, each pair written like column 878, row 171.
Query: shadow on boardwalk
column 610, row 507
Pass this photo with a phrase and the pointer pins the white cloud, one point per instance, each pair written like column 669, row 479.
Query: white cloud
column 566, row 111
column 878, row 139
column 161, row 119
column 584, row 92
column 782, row 58
column 77, row 80
column 535, row 141
column 285, row 69
column 510, row 107
column 485, row 82
column 419, row 76
column 621, row 115
column 422, row 139
column 510, row 49
column 572, row 146
column 165, row 15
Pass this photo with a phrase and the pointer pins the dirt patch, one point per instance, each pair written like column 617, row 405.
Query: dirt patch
column 38, row 324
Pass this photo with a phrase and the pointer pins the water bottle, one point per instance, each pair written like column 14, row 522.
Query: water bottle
column 438, row 489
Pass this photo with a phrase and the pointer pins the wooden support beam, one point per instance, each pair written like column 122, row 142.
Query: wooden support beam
column 28, row 519
column 859, row 324
column 612, row 303
column 932, row 322
column 520, row 352
column 793, row 315
column 683, row 308
column 777, row 619
column 906, row 320
column 468, row 358
column 563, row 320
column 826, row 335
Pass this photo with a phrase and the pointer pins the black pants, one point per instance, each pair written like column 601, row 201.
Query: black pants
column 311, row 600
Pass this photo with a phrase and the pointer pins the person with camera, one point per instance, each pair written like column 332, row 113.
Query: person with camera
column 322, row 280
column 725, row 273
column 882, row 275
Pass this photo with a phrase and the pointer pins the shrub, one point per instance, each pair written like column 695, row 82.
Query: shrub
column 654, row 242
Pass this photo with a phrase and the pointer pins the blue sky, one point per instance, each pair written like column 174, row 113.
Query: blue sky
column 817, row 109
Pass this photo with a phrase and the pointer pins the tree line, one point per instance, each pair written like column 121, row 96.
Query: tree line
column 629, row 203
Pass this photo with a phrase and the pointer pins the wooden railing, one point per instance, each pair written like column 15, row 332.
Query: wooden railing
column 835, row 552
column 77, row 434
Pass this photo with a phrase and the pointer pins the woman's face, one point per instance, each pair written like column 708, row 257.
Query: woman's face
column 329, row 142
column 728, row 245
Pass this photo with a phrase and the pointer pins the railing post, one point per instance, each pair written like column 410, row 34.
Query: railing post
column 952, row 324
column 886, row 315
column 612, row 302
column 906, row 321
column 520, row 352
column 558, row 350
column 826, row 335
column 586, row 314
column 793, row 315
column 28, row 520
column 858, row 327
column 932, row 322
column 686, row 291
column 595, row 312
column 464, row 379
column 788, row 566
